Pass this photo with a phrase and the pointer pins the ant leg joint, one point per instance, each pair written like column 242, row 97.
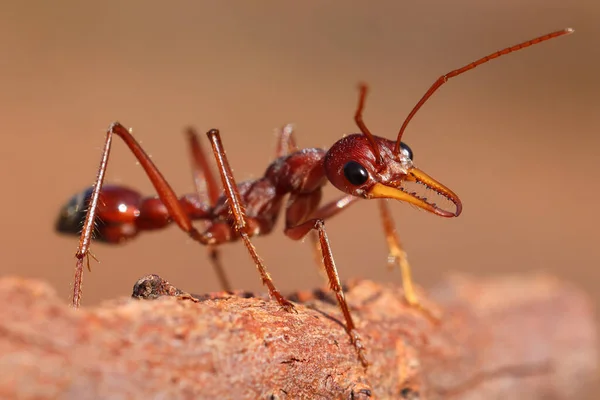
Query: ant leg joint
column 205, row 238
column 360, row 349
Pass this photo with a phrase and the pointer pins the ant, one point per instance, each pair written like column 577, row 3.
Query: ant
column 362, row 166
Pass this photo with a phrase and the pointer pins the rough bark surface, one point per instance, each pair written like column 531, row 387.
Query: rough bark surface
column 517, row 338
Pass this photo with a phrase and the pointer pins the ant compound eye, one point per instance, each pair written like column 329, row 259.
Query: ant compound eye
column 406, row 150
column 355, row 173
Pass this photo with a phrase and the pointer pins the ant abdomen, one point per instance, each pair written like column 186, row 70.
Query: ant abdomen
column 118, row 205
column 122, row 213
column 118, row 211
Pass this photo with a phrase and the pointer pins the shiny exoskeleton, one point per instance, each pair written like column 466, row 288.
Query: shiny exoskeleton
column 362, row 166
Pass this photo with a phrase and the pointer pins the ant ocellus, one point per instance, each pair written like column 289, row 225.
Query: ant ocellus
column 362, row 166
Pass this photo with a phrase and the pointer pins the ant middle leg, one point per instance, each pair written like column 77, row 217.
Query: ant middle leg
column 240, row 223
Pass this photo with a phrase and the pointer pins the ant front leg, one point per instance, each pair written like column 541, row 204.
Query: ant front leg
column 298, row 232
column 240, row 224
column 207, row 190
column 397, row 254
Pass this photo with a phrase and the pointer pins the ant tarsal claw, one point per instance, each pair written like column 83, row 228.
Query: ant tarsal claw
column 288, row 306
column 360, row 349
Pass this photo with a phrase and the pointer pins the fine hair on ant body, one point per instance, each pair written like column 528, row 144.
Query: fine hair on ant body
column 362, row 166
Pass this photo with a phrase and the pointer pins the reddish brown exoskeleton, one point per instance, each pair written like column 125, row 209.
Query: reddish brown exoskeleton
column 362, row 166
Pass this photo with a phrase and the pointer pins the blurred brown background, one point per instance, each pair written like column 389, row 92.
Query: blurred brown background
column 517, row 139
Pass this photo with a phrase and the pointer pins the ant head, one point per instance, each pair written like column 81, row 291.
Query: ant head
column 352, row 166
column 370, row 167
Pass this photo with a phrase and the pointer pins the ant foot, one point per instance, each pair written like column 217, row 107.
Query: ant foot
column 361, row 391
column 360, row 349
column 287, row 306
column 410, row 294
column 434, row 316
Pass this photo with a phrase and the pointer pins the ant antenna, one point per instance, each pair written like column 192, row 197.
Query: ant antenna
column 444, row 78
column 362, row 87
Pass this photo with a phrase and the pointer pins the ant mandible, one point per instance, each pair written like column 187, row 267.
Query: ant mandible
column 363, row 166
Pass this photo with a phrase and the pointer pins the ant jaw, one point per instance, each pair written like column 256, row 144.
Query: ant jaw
column 400, row 192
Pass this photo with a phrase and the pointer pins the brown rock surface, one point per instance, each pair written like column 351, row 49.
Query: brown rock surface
column 509, row 337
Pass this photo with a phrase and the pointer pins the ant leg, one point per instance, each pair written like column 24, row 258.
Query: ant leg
column 286, row 143
column 397, row 254
column 163, row 189
column 204, row 179
column 299, row 231
column 208, row 190
column 241, row 226
column 334, row 207
column 83, row 248
column 324, row 212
